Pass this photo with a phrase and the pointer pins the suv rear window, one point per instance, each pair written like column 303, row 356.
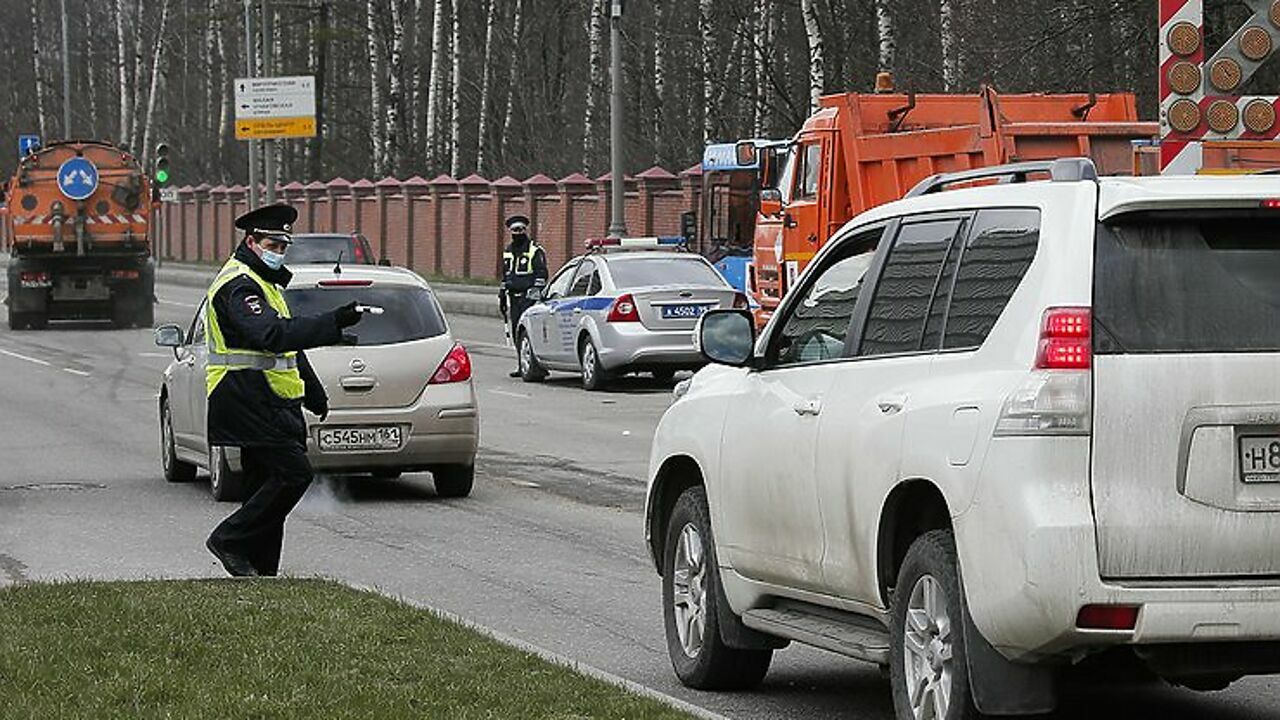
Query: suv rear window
column 1187, row 281
column 409, row 313
column 643, row 272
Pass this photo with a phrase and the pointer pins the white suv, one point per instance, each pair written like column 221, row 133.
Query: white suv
column 993, row 433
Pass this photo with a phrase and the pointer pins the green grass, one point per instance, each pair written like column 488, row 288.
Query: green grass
column 270, row 649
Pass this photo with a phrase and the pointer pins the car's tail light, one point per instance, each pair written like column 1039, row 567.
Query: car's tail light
column 34, row 278
column 456, row 367
column 623, row 310
column 357, row 251
column 1108, row 617
column 1056, row 398
column 124, row 274
column 740, row 301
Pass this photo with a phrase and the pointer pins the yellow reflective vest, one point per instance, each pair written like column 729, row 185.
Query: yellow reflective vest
column 281, row 370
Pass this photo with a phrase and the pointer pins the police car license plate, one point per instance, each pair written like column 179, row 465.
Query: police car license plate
column 671, row 312
column 1260, row 458
column 383, row 437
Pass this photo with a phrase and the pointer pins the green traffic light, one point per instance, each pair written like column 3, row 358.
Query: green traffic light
column 162, row 176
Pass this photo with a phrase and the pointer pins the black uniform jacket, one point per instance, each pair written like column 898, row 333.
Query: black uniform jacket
column 243, row 410
column 517, row 283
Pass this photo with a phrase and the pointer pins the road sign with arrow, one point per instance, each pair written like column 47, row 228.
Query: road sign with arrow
column 78, row 178
column 275, row 107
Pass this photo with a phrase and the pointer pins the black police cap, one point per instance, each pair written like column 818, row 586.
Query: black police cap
column 517, row 220
column 275, row 221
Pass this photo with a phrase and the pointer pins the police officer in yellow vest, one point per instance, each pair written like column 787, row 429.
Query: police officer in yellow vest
column 524, row 274
column 258, row 380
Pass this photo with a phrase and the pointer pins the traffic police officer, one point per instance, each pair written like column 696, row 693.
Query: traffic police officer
column 524, row 269
column 258, row 380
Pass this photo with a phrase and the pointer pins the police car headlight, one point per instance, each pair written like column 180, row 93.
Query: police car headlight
column 681, row 388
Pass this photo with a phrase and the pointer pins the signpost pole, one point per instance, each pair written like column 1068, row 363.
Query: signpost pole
column 269, row 146
column 249, row 72
column 618, row 223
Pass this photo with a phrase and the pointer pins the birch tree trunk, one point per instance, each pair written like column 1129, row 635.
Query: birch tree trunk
column 319, row 67
column 435, row 90
column 707, row 31
column 153, row 93
column 887, row 34
column 377, row 119
column 513, row 78
column 817, row 63
column 226, row 92
column 486, row 85
column 657, row 126
column 88, row 67
column 417, row 113
column 208, row 57
column 595, row 86
column 395, row 97
column 36, row 40
column 122, row 67
column 139, row 78
column 767, row 16
column 950, row 45
column 455, row 96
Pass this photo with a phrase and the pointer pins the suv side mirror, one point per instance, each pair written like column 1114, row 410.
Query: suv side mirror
column 169, row 336
column 727, row 337
column 770, row 201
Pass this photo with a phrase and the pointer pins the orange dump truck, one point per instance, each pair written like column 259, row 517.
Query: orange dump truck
column 77, row 219
column 862, row 150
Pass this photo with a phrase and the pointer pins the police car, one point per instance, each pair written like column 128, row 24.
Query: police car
column 627, row 305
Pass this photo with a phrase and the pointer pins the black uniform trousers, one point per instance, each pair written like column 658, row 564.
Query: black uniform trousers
column 281, row 474
column 516, row 306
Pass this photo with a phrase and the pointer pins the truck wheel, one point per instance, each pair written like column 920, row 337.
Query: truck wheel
column 146, row 315
column 17, row 320
column 225, row 484
column 123, row 313
column 690, row 597
column 929, row 671
column 454, row 481
column 175, row 470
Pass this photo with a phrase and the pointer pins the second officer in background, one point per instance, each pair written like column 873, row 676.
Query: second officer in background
column 524, row 275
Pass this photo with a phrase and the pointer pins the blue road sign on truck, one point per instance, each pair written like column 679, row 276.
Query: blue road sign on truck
column 78, row 178
column 28, row 144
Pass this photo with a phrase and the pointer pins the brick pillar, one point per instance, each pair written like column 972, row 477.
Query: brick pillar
column 217, row 199
column 412, row 189
column 201, row 196
column 185, row 198
column 653, row 182
column 571, row 186
column 691, row 184
column 440, row 186
column 311, row 192
column 385, row 188
column 360, row 190
column 534, row 188
column 471, row 187
column 337, row 188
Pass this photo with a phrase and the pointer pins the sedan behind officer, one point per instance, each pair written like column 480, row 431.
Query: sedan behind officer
column 258, row 381
column 524, row 275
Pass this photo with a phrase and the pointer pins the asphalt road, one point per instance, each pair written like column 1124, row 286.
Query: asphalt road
column 548, row 548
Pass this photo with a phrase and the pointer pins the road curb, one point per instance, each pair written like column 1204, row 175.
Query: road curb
column 551, row 657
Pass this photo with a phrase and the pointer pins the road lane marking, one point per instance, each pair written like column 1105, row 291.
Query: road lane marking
column 20, row 356
column 522, row 396
column 73, row 371
column 155, row 354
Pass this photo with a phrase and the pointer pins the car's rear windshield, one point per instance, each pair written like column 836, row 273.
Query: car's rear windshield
column 408, row 314
column 634, row 272
column 1187, row 282
column 321, row 249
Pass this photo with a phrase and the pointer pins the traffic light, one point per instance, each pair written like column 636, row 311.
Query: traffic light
column 160, row 170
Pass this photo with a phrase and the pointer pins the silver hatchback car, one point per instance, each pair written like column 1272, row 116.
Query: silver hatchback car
column 626, row 306
column 400, row 400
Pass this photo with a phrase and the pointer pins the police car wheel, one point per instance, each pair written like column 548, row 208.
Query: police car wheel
column 530, row 369
column 175, row 470
column 594, row 377
column 691, row 599
column 225, row 484
column 454, row 481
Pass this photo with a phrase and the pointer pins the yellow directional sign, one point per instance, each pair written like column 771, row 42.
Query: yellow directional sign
column 275, row 128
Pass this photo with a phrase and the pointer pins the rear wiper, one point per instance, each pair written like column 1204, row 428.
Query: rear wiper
column 337, row 267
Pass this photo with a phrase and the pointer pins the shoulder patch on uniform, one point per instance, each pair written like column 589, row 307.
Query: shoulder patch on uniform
column 254, row 304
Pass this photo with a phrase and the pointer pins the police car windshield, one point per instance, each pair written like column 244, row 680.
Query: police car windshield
column 408, row 312
column 307, row 249
column 639, row 271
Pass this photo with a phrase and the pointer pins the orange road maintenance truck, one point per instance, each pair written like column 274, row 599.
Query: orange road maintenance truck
column 861, row 150
column 76, row 220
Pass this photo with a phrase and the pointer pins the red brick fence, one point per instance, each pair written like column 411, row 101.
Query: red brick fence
column 444, row 226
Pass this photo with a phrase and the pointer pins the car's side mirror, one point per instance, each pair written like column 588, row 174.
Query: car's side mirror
column 727, row 337
column 770, row 201
column 536, row 294
column 169, row 336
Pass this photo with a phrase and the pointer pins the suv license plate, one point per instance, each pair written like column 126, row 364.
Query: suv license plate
column 671, row 312
column 385, row 437
column 1260, row 458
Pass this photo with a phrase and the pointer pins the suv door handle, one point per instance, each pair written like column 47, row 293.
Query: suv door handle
column 811, row 407
column 891, row 404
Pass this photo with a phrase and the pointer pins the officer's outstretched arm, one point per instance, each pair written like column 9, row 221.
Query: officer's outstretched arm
column 243, row 307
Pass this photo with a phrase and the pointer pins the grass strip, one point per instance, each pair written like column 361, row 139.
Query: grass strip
column 270, row 649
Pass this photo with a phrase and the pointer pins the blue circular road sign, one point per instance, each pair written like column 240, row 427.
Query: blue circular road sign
column 78, row 178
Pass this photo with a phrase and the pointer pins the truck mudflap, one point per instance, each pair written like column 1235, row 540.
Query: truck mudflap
column 1001, row 686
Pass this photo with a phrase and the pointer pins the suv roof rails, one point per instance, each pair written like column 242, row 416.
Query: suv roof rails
column 1062, row 170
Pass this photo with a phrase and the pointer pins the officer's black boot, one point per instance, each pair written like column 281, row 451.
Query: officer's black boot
column 235, row 565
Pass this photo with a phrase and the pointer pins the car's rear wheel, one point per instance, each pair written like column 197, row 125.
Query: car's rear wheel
column 225, row 484
column 690, row 605
column 929, row 671
column 453, row 481
column 175, row 470
column 594, row 376
column 530, row 369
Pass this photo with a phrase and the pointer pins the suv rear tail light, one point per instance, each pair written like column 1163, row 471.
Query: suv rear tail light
column 34, row 279
column 623, row 310
column 740, row 301
column 1108, row 617
column 357, row 250
column 456, row 367
column 1056, row 398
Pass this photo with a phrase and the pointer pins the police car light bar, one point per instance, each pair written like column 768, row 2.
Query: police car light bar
column 640, row 243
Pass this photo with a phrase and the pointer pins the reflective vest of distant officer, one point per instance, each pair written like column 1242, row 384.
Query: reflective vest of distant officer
column 258, row 380
column 524, row 275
